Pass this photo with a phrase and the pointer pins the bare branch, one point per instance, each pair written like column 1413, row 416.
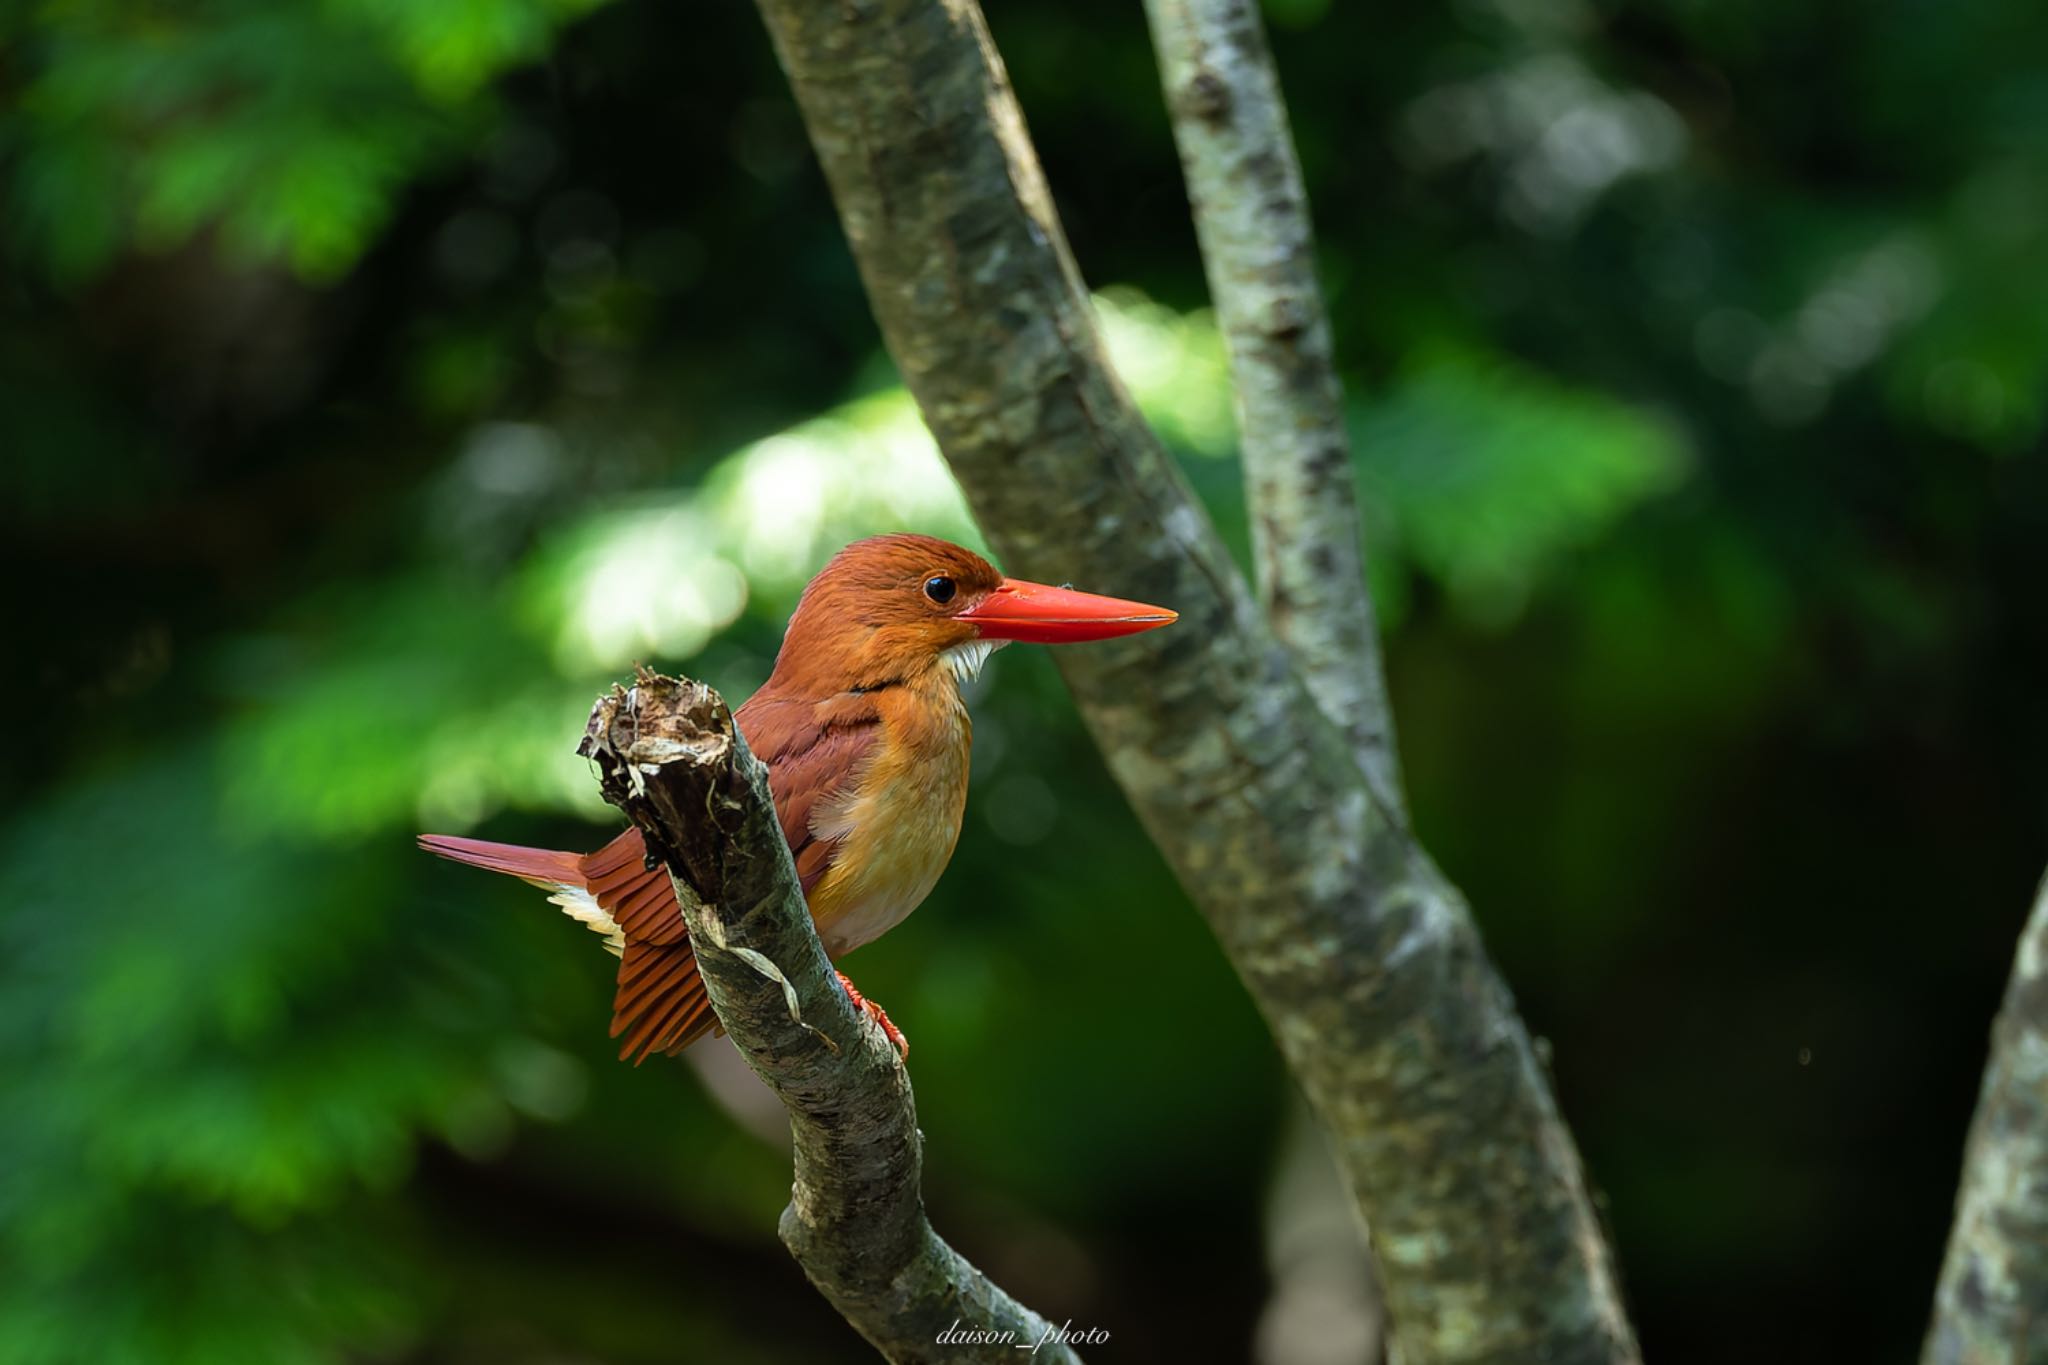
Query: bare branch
column 1365, row 962
column 669, row 756
column 1251, row 216
column 1991, row 1306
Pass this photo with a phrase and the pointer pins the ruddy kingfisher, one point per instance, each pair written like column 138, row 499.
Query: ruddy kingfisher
column 866, row 738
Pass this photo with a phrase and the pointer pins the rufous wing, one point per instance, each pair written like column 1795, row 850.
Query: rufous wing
column 660, row 1004
column 817, row 753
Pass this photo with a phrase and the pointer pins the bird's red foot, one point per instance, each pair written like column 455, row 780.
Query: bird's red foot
column 879, row 1015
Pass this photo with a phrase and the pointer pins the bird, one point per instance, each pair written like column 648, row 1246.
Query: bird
column 865, row 736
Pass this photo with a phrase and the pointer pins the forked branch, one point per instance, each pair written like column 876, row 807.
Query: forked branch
column 1364, row 960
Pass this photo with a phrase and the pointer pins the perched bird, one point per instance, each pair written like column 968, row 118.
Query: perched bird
column 865, row 736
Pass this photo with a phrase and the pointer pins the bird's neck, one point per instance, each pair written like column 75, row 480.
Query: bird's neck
column 932, row 678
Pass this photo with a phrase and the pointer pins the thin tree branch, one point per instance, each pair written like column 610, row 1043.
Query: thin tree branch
column 1258, row 249
column 1991, row 1306
column 1363, row 959
column 669, row 756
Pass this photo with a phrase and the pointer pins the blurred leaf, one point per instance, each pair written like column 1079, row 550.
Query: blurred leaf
column 153, row 128
column 1483, row 474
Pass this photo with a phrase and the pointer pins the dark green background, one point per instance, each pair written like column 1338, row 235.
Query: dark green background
column 1698, row 356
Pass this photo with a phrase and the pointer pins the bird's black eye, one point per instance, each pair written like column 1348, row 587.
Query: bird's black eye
column 940, row 590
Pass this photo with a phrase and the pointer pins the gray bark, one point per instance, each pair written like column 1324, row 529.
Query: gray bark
column 1363, row 959
column 669, row 756
column 1991, row 1306
column 1258, row 250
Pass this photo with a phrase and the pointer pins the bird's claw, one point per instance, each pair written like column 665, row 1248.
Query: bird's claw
column 879, row 1015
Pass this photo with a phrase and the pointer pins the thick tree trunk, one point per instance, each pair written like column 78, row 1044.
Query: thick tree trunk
column 1365, row 962
column 670, row 757
column 1991, row 1307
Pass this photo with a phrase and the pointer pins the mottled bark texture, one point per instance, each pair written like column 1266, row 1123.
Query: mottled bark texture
column 1365, row 962
column 1258, row 250
column 1991, row 1307
column 669, row 756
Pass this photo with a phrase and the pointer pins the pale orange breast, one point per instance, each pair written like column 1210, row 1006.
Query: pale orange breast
column 897, row 826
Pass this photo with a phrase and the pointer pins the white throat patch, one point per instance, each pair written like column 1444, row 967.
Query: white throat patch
column 966, row 660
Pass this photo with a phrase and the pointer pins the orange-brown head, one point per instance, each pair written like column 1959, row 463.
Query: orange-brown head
column 891, row 608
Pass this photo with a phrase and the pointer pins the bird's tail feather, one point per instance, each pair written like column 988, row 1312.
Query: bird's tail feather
column 541, row 866
column 660, row 1004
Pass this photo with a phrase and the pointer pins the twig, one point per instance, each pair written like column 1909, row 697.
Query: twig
column 669, row 756
column 1991, row 1307
column 1258, row 250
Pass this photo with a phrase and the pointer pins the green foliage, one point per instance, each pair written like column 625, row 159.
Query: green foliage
column 1481, row 473
column 198, row 1052
column 288, row 130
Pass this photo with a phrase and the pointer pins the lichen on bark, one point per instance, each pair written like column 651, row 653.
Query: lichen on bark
column 1258, row 253
column 1991, row 1304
